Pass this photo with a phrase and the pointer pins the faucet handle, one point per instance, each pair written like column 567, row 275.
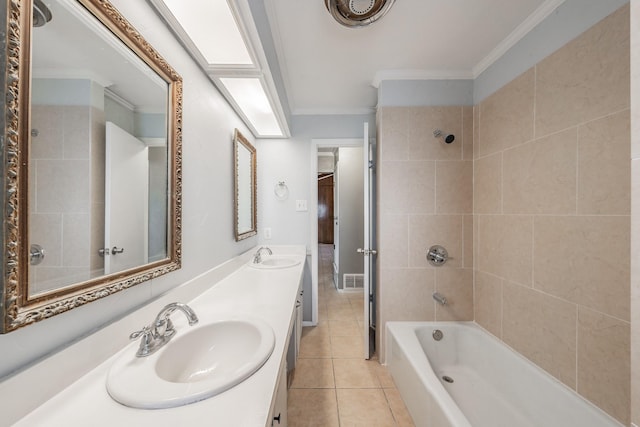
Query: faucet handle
column 146, row 342
column 144, row 333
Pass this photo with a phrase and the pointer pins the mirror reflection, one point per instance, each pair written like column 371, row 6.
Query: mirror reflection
column 92, row 176
column 245, row 183
column 97, row 154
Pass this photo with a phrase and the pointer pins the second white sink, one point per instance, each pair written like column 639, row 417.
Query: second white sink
column 275, row 262
column 196, row 365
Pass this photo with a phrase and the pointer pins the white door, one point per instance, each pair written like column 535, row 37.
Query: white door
column 367, row 251
column 336, row 224
column 126, row 200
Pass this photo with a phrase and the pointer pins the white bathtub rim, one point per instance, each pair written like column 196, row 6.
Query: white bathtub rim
column 562, row 385
column 414, row 353
column 418, row 359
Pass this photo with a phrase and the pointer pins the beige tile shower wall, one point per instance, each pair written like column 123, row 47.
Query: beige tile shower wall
column 425, row 197
column 552, row 211
column 60, row 221
column 635, row 211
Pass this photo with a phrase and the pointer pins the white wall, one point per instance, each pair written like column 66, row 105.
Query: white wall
column 208, row 239
column 283, row 160
column 288, row 160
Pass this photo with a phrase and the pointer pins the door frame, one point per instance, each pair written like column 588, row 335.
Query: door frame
column 313, row 213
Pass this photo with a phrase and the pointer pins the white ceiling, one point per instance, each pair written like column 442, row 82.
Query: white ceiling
column 74, row 46
column 331, row 69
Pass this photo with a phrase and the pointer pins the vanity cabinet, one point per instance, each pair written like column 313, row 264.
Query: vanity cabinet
column 278, row 415
column 299, row 314
column 296, row 330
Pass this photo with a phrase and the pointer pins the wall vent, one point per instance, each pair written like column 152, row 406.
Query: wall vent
column 353, row 282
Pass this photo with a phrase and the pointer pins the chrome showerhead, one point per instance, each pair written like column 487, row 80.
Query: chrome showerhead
column 447, row 137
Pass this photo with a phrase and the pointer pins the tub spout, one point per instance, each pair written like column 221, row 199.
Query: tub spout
column 440, row 299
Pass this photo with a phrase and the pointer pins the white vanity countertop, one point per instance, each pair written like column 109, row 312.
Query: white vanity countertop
column 269, row 295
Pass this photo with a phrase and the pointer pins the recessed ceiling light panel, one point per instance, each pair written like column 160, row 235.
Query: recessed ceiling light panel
column 212, row 28
column 251, row 97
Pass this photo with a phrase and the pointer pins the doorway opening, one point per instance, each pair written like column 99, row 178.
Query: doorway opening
column 341, row 177
column 341, row 212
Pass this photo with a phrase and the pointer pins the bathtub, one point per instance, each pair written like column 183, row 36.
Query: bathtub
column 471, row 379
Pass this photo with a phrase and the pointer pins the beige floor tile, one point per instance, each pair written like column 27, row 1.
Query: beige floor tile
column 322, row 328
column 318, row 346
column 338, row 301
column 355, row 373
column 347, row 347
column 398, row 409
column 357, row 304
column 332, row 384
column 344, row 328
column 364, row 408
column 386, row 381
column 340, row 313
column 313, row 373
column 354, row 295
column 358, row 313
column 312, row 408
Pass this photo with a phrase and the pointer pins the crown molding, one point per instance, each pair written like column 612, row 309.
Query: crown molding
column 420, row 75
column 333, row 111
column 539, row 15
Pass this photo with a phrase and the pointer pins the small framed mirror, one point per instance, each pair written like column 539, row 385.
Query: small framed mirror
column 244, row 165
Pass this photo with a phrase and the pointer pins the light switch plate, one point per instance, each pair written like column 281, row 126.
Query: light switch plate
column 267, row 233
column 301, row 205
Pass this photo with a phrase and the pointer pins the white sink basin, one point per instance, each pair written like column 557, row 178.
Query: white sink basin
column 276, row 261
column 195, row 365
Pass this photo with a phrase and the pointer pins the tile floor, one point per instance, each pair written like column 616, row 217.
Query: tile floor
column 333, row 385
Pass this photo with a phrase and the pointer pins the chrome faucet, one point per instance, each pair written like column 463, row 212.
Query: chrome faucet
column 160, row 332
column 257, row 258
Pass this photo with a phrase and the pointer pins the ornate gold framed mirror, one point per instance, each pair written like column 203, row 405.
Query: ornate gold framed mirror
column 244, row 166
column 91, row 158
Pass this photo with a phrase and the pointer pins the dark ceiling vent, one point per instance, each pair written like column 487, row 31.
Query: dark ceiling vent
column 358, row 13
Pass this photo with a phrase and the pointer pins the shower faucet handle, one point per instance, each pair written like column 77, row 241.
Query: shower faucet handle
column 36, row 254
column 437, row 255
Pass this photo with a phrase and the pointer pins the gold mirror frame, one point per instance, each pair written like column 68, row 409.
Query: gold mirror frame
column 240, row 140
column 17, row 309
